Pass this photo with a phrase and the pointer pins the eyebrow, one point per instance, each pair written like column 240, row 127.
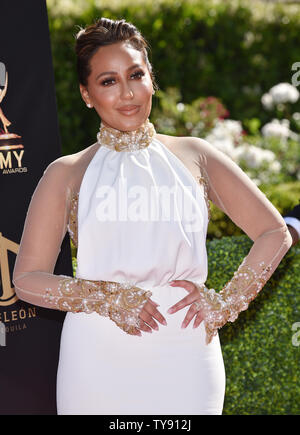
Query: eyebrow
column 114, row 72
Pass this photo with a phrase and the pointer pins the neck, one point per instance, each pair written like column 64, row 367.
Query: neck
column 119, row 140
column 105, row 125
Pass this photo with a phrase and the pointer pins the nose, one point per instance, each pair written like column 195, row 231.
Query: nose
column 126, row 91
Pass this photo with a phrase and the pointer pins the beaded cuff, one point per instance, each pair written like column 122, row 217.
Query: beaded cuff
column 72, row 223
column 121, row 302
column 219, row 308
column 203, row 180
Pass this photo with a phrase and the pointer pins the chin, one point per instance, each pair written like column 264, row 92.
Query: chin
column 124, row 122
column 129, row 123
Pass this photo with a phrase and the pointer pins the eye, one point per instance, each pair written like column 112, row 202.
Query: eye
column 108, row 81
column 138, row 74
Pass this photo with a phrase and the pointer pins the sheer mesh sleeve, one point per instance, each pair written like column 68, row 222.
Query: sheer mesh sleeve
column 230, row 189
column 44, row 230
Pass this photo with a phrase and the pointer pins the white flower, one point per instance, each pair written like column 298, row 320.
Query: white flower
column 296, row 116
column 267, row 101
column 227, row 127
column 225, row 134
column 254, row 156
column 180, row 107
column 277, row 128
column 233, row 127
column 223, row 144
column 284, row 93
column 275, row 166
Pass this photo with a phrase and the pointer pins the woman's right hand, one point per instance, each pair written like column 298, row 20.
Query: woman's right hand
column 132, row 309
column 147, row 315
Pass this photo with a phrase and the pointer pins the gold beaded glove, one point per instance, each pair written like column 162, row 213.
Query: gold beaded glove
column 251, row 276
column 235, row 296
column 120, row 302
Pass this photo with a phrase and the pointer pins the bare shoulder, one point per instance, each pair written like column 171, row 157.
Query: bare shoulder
column 192, row 151
column 187, row 148
column 188, row 144
column 71, row 160
column 71, row 163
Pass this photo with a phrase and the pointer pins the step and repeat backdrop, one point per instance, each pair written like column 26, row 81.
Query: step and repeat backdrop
column 29, row 141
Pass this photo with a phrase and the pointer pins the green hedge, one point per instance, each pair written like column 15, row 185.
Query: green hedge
column 283, row 196
column 233, row 50
column 261, row 362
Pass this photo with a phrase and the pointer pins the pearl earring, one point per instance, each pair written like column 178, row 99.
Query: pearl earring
column 89, row 105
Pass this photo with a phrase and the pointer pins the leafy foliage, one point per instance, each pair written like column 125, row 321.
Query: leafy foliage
column 283, row 196
column 261, row 361
column 212, row 48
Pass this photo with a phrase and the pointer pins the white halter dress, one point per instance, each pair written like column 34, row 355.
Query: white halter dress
column 142, row 218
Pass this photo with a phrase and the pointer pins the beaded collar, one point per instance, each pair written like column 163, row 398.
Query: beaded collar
column 126, row 140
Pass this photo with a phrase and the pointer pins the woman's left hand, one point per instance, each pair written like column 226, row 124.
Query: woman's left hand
column 192, row 297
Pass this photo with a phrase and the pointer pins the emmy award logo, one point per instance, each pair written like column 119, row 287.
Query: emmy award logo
column 8, row 141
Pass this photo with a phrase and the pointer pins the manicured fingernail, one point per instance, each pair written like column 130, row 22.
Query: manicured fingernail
column 183, row 326
column 170, row 310
column 164, row 322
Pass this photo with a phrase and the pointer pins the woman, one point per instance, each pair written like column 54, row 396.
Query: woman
column 139, row 258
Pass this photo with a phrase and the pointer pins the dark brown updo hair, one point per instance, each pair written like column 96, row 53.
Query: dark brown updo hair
column 105, row 32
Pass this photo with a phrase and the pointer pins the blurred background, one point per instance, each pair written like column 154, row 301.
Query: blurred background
column 228, row 72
